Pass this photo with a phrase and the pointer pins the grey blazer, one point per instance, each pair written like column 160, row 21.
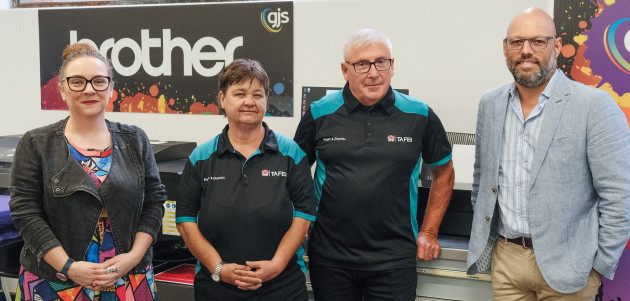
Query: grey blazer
column 579, row 197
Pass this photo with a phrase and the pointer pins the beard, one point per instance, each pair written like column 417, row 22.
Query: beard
column 537, row 78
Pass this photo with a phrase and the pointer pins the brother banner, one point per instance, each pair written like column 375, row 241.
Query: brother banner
column 167, row 58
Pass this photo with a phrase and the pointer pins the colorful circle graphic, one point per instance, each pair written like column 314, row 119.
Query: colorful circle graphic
column 612, row 35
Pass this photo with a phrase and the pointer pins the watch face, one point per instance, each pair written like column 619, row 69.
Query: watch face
column 216, row 278
column 62, row 277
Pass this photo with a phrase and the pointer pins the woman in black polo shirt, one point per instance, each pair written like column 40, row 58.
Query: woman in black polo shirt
column 246, row 200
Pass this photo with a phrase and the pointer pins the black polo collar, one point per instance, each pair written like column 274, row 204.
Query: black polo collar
column 269, row 142
column 387, row 103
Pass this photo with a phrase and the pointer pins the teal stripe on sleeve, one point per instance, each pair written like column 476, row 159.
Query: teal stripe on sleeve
column 305, row 216
column 185, row 219
column 441, row 162
column 327, row 104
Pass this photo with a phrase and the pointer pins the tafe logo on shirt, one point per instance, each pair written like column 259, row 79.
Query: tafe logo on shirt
column 392, row 138
column 269, row 173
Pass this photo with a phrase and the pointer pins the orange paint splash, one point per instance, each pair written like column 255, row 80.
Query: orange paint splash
column 153, row 90
column 198, row 108
column 581, row 70
column 582, row 24
column 568, row 50
column 142, row 103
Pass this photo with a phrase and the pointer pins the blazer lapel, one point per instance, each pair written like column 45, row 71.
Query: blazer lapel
column 552, row 114
column 499, row 121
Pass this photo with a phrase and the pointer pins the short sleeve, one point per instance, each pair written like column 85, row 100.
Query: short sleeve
column 436, row 148
column 189, row 195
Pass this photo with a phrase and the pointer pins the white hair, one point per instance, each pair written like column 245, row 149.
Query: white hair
column 363, row 38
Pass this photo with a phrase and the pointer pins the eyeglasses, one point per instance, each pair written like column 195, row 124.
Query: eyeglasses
column 78, row 83
column 364, row 66
column 536, row 43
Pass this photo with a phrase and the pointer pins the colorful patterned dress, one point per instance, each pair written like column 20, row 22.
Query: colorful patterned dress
column 132, row 287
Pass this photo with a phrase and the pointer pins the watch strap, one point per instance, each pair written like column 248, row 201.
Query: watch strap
column 217, row 271
column 66, row 267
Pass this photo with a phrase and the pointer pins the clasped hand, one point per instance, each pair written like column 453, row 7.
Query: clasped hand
column 96, row 276
column 250, row 276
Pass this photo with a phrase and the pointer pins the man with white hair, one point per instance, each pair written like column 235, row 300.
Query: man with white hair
column 368, row 142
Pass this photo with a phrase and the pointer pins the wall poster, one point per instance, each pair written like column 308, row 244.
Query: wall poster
column 596, row 51
column 166, row 58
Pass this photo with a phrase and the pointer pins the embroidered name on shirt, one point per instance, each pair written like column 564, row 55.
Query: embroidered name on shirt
column 333, row 139
column 206, row 179
column 270, row 173
column 392, row 138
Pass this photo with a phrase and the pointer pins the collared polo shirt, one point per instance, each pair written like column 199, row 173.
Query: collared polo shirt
column 244, row 206
column 366, row 177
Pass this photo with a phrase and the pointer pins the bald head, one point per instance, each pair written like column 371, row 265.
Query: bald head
column 531, row 48
column 531, row 22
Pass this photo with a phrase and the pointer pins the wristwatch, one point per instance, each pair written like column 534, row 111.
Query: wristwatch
column 216, row 275
column 63, row 274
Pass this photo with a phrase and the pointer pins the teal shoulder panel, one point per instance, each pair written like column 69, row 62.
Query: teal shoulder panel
column 327, row 104
column 290, row 148
column 204, row 151
column 411, row 105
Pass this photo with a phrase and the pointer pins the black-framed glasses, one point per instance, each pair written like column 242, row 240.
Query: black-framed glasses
column 78, row 83
column 536, row 43
column 364, row 66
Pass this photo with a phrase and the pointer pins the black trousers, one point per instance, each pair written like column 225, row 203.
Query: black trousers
column 334, row 283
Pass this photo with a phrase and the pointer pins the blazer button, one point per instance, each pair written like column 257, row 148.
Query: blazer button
column 56, row 181
column 57, row 189
column 487, row 218
column 494, row 190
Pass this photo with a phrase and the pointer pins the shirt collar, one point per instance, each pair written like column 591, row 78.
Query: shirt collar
column 387, row 103
column 546, row 93
column 269, row 142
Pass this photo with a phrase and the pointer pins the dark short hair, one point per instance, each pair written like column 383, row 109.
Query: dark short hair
column 241, row 70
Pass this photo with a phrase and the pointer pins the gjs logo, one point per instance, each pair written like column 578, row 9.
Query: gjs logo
column 273, row 20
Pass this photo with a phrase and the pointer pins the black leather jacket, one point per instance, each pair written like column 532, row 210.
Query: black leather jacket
column 55, row 203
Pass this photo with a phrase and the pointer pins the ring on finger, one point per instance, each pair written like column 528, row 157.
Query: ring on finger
column 111, row 269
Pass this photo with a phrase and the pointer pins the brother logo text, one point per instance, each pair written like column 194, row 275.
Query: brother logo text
column 192, row 55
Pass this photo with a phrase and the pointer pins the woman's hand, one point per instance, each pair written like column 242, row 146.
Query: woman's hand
column 81, row 272
column 264, row 270
column 230, row 273
column 106, row 273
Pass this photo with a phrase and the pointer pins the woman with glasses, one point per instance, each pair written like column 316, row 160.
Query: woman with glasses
column 246, row 200
column 86, row 196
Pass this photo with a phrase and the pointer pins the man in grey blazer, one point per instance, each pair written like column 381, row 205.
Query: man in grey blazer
column 551, row 188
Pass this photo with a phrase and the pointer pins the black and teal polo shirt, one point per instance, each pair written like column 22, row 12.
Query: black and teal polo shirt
column 366, row 177
column 244, row 206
